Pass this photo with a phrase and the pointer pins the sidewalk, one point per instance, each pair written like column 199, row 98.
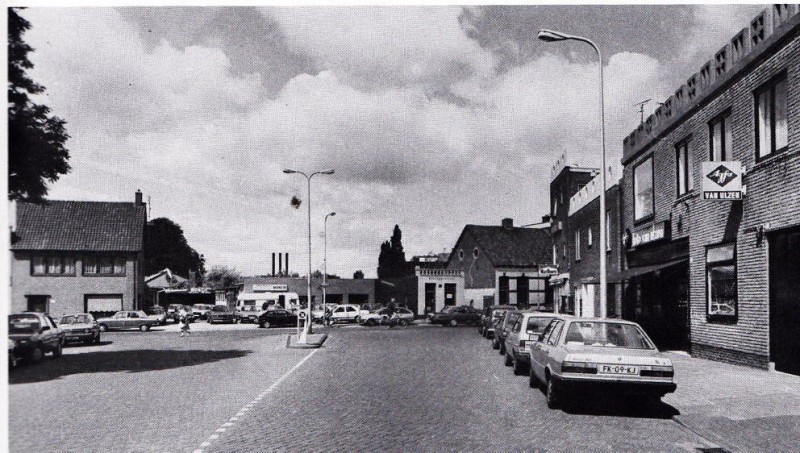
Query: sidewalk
column 739, row 408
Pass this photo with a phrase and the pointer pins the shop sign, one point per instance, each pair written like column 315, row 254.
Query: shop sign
column 656, row 232
column 722, row 180
column 270, row 288
column 548, row 271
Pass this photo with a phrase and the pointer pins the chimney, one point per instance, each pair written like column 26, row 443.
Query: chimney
column 273, row 264
column 507, row 223
column 287, row 263
column 139, row 198
column 280, row 264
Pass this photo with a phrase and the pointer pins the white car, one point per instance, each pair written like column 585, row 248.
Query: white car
column 404, row 315
column 525, row 330
column 346, row 313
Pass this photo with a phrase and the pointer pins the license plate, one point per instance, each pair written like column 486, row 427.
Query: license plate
column 73, row 338
column 618, row 369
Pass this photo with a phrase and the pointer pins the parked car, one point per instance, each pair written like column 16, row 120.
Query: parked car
column 221, row 313
column 502, row 327
column 200, row 311
column 490, row 315
column 35, row 334
column 455, row 315
column 526, row 329
column 127, row 320
column 12, row 354
column 579, row 356
column 346, row 313
column 173, row 312
column 80, row 327
column 404, row 315
column 157, row 313
column 321, row 313
column 277, row 318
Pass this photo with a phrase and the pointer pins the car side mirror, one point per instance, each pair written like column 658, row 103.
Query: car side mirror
column 44, row 328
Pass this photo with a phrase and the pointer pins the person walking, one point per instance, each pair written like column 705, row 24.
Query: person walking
column 184, row 317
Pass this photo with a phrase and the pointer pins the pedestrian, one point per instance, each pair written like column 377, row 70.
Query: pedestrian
column 184, row 317
column 471, row 303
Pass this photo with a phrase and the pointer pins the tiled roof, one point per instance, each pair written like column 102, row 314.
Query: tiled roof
column 513, row 247
column 80, row 226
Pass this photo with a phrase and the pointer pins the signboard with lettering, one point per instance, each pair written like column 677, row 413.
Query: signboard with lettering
column 270, row 288
column 656, row 232
column 722, row 180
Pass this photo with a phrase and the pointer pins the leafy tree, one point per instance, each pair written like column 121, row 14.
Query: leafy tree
column 392, row 259
column 358, row 275
column 222, row 277
column 318, row 274
column 166, row 246
column 36, row 152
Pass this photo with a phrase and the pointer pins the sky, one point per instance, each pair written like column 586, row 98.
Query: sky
column 432, row 117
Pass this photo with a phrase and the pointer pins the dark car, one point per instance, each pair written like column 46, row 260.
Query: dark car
column 490, row 315
column 502, row 327
column 35, row 334
column 277, row 318
column 453, row 316
column 221, row 313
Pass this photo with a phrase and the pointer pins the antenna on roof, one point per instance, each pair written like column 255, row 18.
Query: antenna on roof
column 641, row 108
column 149, row 207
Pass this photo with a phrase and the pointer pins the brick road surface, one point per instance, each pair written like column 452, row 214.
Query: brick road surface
column 433, row 389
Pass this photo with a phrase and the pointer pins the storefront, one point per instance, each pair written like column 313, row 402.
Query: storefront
column 784, row 298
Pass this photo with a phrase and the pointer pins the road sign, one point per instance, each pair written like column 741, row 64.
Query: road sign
column 722, row 180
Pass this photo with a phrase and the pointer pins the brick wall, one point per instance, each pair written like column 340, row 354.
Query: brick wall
column 478, row 272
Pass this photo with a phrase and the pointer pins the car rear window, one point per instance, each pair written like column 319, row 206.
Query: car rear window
column 537, row 324
column 608, row 334
column 23, row 324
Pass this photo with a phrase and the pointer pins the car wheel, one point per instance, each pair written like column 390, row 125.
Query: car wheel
column 370, row 322
column 265, row 324
column 519, row 368
column 453, row 323
column 508, row 360
column 36, row 355
column 89, row 341
column 97, row 340
column 553, row 394
column 403, row 322
column 58, row 351
column 533, row 382
column 103, row 328
column 502, row 347
column 144, row 327
column 495, row 344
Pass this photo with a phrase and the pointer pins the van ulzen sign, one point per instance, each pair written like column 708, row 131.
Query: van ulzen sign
column 722, row 180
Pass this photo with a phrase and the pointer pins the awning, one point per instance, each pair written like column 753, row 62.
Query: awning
column 637, row 271
column 559, row 279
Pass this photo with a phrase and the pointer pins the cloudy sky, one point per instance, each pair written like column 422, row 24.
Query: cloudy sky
column 432, row 117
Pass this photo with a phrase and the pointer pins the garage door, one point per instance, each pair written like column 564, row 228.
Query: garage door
column 104, row 303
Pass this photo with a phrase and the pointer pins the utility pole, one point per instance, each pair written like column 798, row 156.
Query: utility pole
column 641, row 109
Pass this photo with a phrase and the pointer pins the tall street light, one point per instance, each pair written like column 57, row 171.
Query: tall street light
column 325, row 266
column 553, row 36
column 307, row 325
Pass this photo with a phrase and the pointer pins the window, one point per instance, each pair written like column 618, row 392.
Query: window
column 555, row 332
column 475, row 252
column 684, row 168
column 643, row 189
column 461, row 255
column 555, row 254
column 104, row 265
column 608, row 231
column 721, row 282
column 53, row 265
column 577, row 245
column 589, row 236
column 564, row 250
column 720, row 135
column 555, row 206
column 771, row 125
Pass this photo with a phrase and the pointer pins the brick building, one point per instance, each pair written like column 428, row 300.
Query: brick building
column 78, row 256
column 728, row 267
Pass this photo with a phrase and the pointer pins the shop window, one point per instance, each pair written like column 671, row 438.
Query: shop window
column 720, row 133
column 684, row 168
column 772, row 134
column 589, row 236
column 577, row 245
column 103, row 265
column 721, row 282
column 643, row 189
column 52, row 265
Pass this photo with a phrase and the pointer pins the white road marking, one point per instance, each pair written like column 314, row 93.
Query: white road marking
column 253, row 403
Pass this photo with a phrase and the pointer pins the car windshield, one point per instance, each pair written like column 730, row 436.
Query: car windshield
column 76, row 319
column 154, row 311
column 450, row 309
column 607, row 334
column 219, row 308
column 497, row 314
column 23, row 324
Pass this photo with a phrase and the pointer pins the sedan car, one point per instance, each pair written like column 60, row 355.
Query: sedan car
column 221, row 313
column 404, row 317
column 157, row 313
column 80, row 327
column 502, row 326
column 277, row 318
column 455, row 315
column 526, row 329
column 489, row 317
column 127, row 320
column 35, row 334
column 576, row 356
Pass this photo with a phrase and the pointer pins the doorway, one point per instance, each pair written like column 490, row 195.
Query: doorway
column 784, row 300
column 430, row 298
column 449, row 294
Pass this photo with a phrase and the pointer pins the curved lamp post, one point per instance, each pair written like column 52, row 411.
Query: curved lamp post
column 553, row 36
column 325, row 266
column 307, row 326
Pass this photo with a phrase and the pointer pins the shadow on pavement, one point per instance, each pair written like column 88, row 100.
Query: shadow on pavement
column 132, row 361
column 621, row 407
column 83, row 345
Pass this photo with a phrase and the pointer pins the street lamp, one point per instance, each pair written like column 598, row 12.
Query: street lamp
column 325, row 266
column 553, row 36
column 307, row 326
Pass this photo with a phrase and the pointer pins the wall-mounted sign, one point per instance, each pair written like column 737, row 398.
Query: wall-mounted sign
column 270, row 288
column 548, row 270
column 656, row 232
column 722, row 180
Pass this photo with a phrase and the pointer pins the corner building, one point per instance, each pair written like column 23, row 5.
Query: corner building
column 739, row 258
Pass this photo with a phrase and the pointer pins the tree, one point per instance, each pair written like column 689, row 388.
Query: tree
column 392, row 259
column 166, row 246
column 318, row 274
column 36, row 152
column 358, row 275
column 222, row 277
